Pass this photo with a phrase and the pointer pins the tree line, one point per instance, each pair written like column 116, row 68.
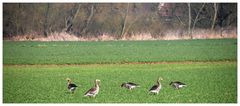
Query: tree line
column 115, row 19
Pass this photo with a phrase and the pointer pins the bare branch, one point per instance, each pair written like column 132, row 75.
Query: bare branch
column 196, row 18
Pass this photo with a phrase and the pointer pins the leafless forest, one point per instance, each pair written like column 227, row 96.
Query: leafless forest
column 118, row 21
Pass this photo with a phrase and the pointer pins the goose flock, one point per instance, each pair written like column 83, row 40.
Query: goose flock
column 92, row 92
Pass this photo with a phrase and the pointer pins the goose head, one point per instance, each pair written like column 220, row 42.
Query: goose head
column 171, row 83
column 97, row 82
column 123, row 84
column 68, row 80
column 159, row 79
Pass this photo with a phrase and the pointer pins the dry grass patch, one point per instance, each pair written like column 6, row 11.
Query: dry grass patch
column 167, row 35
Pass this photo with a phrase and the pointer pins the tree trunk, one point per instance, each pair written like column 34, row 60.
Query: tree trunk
column 46, row 21
column 71, row 17
column 215, row 15
column 189, row 21
column 196, row 18
column 130, row 24
column 18, row 18
column 88, row 20
column 125, row 21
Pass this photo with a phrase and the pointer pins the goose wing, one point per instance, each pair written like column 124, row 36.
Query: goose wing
column 91, row 91
column 132, row 84
column 180, row 83
column 154, row 87
column 72, row 85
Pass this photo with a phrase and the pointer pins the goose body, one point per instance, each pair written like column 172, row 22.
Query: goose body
column 94, row 90
column 156, row 88
column 129, row 85
column 177, row 84
column 71, row 87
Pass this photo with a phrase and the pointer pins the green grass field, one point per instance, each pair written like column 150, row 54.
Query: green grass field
column 118, row 51
column 207, row 83
column 35, row 72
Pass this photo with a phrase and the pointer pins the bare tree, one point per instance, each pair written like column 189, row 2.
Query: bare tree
column 125, row 21
column 46, row 21
column 18, row 17
column 215, row 15
column 224, row 17
column 69, row 21
column 197, row 17
column 132, row 22
column 84, row 30
column 189, row 20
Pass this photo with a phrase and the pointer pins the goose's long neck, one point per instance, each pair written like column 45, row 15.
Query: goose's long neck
column 97, row 84
column 69, row 82
column 158, row 82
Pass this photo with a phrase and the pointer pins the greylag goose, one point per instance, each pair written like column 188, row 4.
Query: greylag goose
column 177, row 84
column 71, row 87
column 129, row 85
column 94, row 90
column 156, row 88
